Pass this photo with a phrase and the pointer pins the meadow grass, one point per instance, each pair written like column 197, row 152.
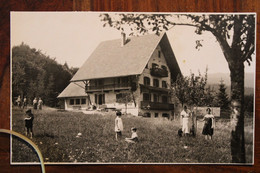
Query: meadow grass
column 55, row 134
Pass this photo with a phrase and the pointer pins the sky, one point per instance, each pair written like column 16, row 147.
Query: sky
column 72, row 36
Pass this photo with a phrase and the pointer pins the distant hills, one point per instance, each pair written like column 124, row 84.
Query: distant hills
column 214, row 80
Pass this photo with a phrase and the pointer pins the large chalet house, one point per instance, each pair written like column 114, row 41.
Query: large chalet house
column 141, row 68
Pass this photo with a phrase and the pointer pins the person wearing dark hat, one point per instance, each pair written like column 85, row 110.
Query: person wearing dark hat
column 29, row 123
column 134, row 136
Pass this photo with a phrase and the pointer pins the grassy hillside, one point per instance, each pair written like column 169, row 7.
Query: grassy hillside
column 55, row 134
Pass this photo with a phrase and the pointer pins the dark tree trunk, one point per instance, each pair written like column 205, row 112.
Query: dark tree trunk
column 237, row 115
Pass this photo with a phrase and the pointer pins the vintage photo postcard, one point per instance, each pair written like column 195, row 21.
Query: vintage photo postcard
column 133, row 88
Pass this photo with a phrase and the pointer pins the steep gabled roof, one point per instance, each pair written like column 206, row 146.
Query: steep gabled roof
column 110, row 59
column 74, row 89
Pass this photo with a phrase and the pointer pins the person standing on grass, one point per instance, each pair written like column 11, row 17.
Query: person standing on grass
column 29, row 123
column 209, row 124
column 35, row 102
column 185, row 115
column 18, row 101
column 40, row 103
column 118, row 125
column 24, row 102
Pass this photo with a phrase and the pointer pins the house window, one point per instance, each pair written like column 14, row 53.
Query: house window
column 159, row 54
column 164, row 99
column 96, row 98
column 155, row 97
column 71, row 101
column 118, row 97
column 146, row 97
column 156, row 115
column 165, row 115
column 155, row 82
column 147, row 114
column 100, row 99
column 104, row 99
column 83, row 101
column 99, row 82
column 164, row 67
column 155, row 65
column 77, row 101
column 124, row 80
column 164, row 84
column 146, row 81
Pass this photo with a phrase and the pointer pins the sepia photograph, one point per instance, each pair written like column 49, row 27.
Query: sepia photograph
column 133, row 88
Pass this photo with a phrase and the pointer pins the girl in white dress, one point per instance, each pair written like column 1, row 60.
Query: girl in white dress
column 118, row 125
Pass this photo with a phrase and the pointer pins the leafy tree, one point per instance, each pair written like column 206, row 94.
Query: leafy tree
column 74, row 70
column 223, row 100
column 31, row 75
column 209, row 97
column 192, row 89
column 235, row 34
column 32, row 93
column 125, row 98
column 40, row 84
column 196, row 88
column 50, row 92
column 180, row 89
column 65, row 65
column 18, row 82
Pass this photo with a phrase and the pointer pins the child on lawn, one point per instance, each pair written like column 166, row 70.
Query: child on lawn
column 29, row 123
column 134, row 137
column 118, row 125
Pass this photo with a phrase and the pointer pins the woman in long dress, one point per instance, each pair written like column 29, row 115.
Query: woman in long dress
column 35, row 102
column 40, row 102
column 185, row 121
column 209, row 124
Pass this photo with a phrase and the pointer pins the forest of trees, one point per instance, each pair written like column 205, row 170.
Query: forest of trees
column 35, row 74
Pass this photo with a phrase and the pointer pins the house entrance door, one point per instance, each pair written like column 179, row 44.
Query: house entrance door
column 100, row 99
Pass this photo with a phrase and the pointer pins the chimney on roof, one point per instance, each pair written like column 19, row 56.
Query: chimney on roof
column 123, row 39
